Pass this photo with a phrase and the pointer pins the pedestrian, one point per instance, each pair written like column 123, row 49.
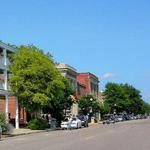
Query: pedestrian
column 0, row 132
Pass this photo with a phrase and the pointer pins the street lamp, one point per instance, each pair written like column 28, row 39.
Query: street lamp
column 114, row 110
column 91, row 99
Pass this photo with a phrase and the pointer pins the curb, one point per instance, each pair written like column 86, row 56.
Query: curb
column 40, row 131
column 26, row 133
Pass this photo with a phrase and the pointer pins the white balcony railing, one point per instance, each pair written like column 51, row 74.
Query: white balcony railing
column 2, row 87
column 2, row 61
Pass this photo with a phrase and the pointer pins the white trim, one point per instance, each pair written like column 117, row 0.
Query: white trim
column 3, row 45
column 6, row 107
column 17, row 114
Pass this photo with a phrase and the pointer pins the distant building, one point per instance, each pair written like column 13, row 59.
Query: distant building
column 82, row 83
column 91, row 83
column 71, row 74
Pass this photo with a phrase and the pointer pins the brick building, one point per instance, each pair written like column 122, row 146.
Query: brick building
column 91, row 83
column 82, row 83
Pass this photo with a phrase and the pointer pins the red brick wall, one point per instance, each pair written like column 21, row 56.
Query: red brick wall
column 84, row 78
column 2, row 105
column 12, row 109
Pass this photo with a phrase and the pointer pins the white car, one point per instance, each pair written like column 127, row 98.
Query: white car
column 120, row 118
column 65, row 124
column 76, row 123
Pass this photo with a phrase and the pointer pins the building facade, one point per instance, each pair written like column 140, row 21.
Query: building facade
column 8, row 102
column 91, row 83
column 71, row 74
column 81, row 83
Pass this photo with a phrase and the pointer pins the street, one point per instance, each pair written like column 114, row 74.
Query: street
column 130, row 135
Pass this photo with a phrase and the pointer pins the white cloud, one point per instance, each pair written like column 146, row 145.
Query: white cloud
column 107, row 75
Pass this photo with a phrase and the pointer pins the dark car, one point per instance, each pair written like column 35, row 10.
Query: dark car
column 108, row 118
column 84, row 120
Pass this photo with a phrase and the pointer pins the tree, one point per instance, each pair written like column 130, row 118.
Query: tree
column 104, row 108
column 123, row 97
column 36, row 81
column 145, row 108
column 61, row 102
column 88, row 105
column 116, row 97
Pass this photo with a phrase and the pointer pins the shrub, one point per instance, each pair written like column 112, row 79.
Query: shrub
column 38, row 124
column 3, row 123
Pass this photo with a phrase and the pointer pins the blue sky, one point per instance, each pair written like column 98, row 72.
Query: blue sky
column 110, row 38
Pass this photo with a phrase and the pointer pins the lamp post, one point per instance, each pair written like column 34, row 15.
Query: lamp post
column 91, row 111
column 91, row 99
column 114, row 110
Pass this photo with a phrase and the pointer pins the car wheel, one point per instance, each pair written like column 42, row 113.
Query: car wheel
column 80, row 126
column 77, row 126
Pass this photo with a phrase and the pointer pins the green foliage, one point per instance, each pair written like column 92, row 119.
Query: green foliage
column 61, row 102
column 88, row 103
column 104, row 108
column 3, row 123
column 37, row 124
column 124, row 97
column 35, row 80
column 145, row 108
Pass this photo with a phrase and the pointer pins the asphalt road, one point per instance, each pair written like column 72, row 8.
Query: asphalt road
column 132, row 135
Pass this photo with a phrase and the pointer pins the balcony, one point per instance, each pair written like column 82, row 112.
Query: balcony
column 2, row 86
column 2, row 62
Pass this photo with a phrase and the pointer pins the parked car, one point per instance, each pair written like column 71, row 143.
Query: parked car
column 108, row 118
column 65, row 124
column 76, row 123
column 120, row 118
column 126, row 117
column 84, row 120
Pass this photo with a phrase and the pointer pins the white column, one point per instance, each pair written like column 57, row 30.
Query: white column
column 6, row 107
column 5, row 70
column 5, row 84
column 17, row 114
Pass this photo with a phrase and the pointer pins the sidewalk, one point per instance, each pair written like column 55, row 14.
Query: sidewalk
column 24, row 131
column 94, row 124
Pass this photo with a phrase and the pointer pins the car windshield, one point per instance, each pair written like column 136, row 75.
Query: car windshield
column 66, row 119
column 74, row 119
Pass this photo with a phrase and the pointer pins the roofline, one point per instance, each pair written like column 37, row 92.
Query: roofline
column 66, row 66
column 89, row 74
column 4, row 45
